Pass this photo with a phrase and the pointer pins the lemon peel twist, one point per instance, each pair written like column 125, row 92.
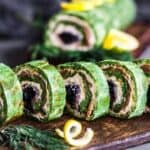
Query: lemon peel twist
column 72, row 129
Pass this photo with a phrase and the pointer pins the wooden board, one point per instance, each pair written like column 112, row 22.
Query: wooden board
column 110, row 133
column 142, row 32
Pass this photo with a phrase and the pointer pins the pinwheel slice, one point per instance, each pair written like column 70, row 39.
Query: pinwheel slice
column 87, row 90
column 145, row 66
column 128, row 88
column 83, row 30
column 43, row 90
column 11, row 98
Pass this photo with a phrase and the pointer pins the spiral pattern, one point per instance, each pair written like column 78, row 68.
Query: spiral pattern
column 86, row 88
column 43, row 90
column 127, row 87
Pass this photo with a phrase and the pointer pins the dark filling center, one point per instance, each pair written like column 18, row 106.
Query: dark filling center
column 29, row 94
column 148, row 97
column 73, row 95
column 112, row 92
column 68, row 38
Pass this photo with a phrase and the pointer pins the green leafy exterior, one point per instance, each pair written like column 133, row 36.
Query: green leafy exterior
column 93, row 86
column 144, row 64
column 53, row 54
column 11, row 99
column 101, row 19
column 50, row 104
column 130, row 85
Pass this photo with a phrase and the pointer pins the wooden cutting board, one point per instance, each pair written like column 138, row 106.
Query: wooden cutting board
column 141, row 31
column 110, row 133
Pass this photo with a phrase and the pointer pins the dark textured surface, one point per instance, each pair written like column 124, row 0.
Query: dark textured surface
column 143, row 10
column 110, row 133
column 141, row 31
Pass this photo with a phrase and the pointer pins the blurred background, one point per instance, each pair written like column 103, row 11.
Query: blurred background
column 19, row 30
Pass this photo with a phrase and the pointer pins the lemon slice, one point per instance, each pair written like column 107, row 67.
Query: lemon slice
column 120, row 41
column 71, row 125
column 77, row 6
column 83, row 5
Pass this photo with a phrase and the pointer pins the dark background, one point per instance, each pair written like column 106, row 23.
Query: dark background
column 20, row 25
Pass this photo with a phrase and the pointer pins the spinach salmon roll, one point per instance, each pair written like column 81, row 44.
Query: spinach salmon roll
column 87, row 90
column 72, row 30
column 43, row 90
column 127, row 87
column 11, row 97
column 145, row 66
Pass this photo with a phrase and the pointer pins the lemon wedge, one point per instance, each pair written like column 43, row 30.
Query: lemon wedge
column 83, row 5
column 72, row 129
column 77, row 6
column 120, row 41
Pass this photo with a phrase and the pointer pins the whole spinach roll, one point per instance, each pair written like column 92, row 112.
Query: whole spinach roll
column 83, row 30
column 43, row 90
column 11, row 98
column 127, row 86
column 145, row 66
column 87, row 90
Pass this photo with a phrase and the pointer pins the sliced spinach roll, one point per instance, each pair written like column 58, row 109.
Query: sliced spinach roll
column 127, row 87
column 43, row 90
column 11, row 98
column 83, row 30
column 87, row 90
column 145, row 66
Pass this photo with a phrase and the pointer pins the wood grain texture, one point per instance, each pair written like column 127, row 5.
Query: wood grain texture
column 142, row 32
column 110, row 133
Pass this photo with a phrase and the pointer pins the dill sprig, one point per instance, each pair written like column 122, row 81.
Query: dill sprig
column 29, row 138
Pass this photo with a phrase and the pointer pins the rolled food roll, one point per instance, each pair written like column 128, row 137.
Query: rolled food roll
column 87, row 90
column 43, row 90
column 145, row 66
column 128, row 88
column 11, row 98
column 83, row 30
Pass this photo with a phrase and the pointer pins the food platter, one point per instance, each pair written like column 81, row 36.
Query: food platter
column 110, row 133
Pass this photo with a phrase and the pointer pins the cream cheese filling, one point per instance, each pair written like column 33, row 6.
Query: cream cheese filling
column 117, row 91
column 45, row 107
column 77, row 78
column 129, row 99
column 1, row 107
column 57, row 27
